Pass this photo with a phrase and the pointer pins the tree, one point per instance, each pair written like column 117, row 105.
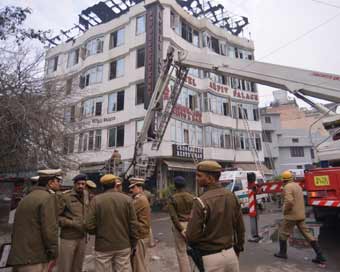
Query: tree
column 31, row 108
column 11, row 25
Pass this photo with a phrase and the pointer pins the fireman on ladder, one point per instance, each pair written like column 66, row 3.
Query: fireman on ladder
column 294, row 214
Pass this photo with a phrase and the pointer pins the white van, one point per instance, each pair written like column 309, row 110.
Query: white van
column 236, row 181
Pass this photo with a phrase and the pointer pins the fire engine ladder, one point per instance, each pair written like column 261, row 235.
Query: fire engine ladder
column 164, row 116
column 251, row 138
column 271, row 160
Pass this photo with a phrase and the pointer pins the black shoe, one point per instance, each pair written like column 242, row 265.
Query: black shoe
column 319, row 259
column 283, row 250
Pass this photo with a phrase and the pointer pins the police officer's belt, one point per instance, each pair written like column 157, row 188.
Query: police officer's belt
column 204, row 252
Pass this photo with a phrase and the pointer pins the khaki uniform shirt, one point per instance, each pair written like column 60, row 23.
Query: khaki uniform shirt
column 293, row 202
column 112, row 218
column 143, row 213
column 35, row 229
column 179, row 206
column 224, row 226
column 72, row 217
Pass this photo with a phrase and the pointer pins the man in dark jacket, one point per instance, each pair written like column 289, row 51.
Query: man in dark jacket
column 112, row 218
column 72, row 223
column 216, row 228
column 179, row 205
column 35, row 229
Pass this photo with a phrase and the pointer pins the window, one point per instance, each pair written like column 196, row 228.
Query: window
column 52, row 65
column 215, row 45
column 186, row 31
column 297, row 151
column 69, row 114
column 68, row 146
column 90, row 140
column 83, row 141
column 139, row 93
column 92, row 107
column 268, row 163
column 184, row 133
column 91, row 76
column 117, row 68
column 140, row 24
column 116, row 102
column 258, row 145
column 299, row 167
column 72, row 58
column 190, row 99
column 217, row 137
column 218, row 105
column 117, row 38
column 68, row 86
column 256, row 114
column 312, row 155
column 139, row 126
column 267, row 119
column 116, row 136
column 295, row 140
column 140, row 57
column 94, row 46
column 196, row 38
column 98, row 140
column 267, row 136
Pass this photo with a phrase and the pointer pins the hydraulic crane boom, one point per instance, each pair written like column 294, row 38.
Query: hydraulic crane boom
column 299, row 82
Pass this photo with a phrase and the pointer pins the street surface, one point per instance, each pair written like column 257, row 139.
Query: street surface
column 257, row 257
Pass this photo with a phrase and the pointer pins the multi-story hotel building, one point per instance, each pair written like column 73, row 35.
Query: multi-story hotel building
column 110, row 71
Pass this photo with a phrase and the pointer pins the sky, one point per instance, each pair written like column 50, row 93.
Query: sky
column 303, row 33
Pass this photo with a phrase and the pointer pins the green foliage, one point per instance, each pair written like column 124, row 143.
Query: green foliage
column 165, row 193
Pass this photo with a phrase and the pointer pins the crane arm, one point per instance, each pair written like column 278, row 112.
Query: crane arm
column 312, row 83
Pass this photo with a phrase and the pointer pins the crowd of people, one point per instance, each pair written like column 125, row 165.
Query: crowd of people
column 52, row 227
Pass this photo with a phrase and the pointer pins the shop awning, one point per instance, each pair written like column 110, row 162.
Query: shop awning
column 180, row 166
column 252, row 167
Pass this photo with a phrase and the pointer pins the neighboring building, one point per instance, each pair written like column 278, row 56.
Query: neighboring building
column 287, row 148
column 110, row 71
column 294, row 117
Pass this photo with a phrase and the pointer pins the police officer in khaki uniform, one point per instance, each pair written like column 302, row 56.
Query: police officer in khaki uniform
column 35, row 228
column 216, row 227
column 140, row 258
column 179, row 206
column 112, row 218
column 71, row 220
column 294, row 215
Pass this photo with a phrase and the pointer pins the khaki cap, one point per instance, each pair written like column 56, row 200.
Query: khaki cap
column 50, row 173
column 135, row 181
column 108, row 179
column 119, row 180
column 35, row 178
column 91, row 184
column 209, row 166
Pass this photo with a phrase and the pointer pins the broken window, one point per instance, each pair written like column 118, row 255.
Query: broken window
column 73, row 57
column 52, row 65
column 94, row 46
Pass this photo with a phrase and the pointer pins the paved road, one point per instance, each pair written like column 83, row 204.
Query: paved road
column 258, row 257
